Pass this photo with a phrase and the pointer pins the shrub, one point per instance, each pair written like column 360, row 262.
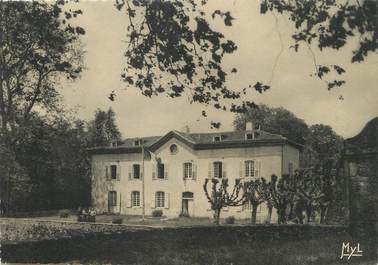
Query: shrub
column 64, row 213
column 157, row 213
column 117, row 220
column 230, row 220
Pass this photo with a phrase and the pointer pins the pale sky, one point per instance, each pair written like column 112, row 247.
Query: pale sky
column 259, row 46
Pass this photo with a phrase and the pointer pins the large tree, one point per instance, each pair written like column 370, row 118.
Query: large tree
column 274, row 120
column 103, row 129
column 174, row 49
column 38, row 49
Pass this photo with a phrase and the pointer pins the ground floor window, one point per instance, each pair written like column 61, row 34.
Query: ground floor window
column 135, row 198
column 160, row 199
column 112, row 198
column 248, row 207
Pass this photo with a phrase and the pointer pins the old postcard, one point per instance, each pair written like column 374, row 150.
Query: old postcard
column 189, row 132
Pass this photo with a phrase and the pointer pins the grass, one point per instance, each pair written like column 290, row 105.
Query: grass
column 147, row 250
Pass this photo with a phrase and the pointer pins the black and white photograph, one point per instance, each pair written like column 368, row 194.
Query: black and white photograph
column 189, row 132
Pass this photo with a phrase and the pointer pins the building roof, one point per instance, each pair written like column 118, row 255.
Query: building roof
column 198, row 141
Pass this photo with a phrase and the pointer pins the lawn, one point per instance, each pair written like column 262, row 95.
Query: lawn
column 148, row 220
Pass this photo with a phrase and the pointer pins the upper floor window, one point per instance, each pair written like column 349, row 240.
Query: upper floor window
column 160, row 199
column 249, row 167
column 112, row 198
column 113, row 172
column 136, row 171
column 217, row 169
column 188, row 170
column 135, row 199
column 160, row 171
column 173, row 149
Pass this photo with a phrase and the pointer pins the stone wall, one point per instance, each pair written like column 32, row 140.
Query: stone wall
column 360, row 161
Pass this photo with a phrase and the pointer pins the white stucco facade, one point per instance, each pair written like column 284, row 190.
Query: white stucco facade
column 181, row 194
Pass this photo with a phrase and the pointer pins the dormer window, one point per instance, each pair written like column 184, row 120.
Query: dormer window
column 249, row 136
column 217, row 139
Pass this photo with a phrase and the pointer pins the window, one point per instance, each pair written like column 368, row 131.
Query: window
column 135, row 199
column 249, row 136
column 291, row 168
column 217, row 169
column 159, row 199
column 113, row 171
column 173, row 149
column 136, row 170
column 256, row 135
column 112, row 198
column 216, row 139
column 249, row 166
column 248, row 207
column 136, row 143
column 113, row 144
column 160, row 170
column 188, row 170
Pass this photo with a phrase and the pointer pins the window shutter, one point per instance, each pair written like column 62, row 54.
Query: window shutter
column 130, row 171
column 224, row 170
column 129, row 200
column 194, row 171
column 153, row 200
column 118, row 172
column 183, row 171
column 107, row 172
column 141, row 172
column 210, row 171
column 165, row 171
column 166, row 200
column 140, row 199
column 259, row 169
column 153, row 171
column 241, row 175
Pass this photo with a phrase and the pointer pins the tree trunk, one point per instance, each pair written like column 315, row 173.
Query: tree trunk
column 254, row 213
column 281, row 215
column 270, row 209
column 217, row 216
column 308, row 213
column 323, row 213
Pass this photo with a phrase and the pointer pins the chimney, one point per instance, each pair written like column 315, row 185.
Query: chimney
column 185, row 129
column 249, row 126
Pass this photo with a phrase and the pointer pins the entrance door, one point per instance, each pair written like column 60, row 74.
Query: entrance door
column 187, row 204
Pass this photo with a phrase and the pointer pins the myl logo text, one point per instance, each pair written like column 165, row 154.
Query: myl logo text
column 347, row 250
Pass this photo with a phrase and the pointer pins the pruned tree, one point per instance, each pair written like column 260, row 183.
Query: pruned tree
column 281, row 196
column 216, row 191
column 254, row 192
